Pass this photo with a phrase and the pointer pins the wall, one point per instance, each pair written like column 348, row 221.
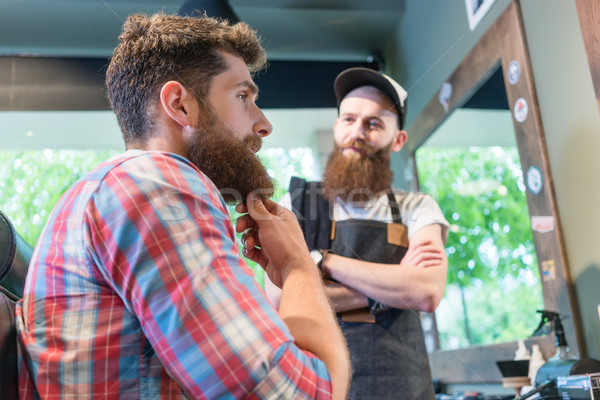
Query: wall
column 572, row 125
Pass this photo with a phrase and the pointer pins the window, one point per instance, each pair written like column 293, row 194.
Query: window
column 33, row 181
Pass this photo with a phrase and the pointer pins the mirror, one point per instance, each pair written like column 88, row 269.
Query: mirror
column 470, row 164
column 501, row 55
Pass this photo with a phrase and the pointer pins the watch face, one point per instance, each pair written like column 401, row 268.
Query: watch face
column 316, row 256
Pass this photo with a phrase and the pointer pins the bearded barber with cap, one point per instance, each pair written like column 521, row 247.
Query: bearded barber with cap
column 380, row 250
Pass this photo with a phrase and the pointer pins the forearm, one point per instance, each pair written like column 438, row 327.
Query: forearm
column 406, row 286
column 343, row 298
column 273, row 292
column 307, row 313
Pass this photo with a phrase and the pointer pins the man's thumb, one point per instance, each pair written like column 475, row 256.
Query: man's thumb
column 256, row 207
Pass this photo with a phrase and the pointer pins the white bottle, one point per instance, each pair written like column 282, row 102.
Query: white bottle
column 536, row 361
column 522, row 353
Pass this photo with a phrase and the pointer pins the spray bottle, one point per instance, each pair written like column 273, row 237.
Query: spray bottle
column 560, row 342
column 562, row 364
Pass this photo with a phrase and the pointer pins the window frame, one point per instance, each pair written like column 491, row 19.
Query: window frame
column 502, row 44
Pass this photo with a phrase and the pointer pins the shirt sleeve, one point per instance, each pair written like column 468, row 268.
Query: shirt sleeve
column 420, row 210
column 163, row 240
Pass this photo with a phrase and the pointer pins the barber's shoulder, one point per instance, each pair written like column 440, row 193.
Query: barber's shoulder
column 409, row 198
column 417, row 203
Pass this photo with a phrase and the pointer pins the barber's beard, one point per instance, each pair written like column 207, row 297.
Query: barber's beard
column 228, row 161
column 357, row 178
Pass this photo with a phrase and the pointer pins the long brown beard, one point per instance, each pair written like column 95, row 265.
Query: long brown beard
column 228, row 161
column 357, row 179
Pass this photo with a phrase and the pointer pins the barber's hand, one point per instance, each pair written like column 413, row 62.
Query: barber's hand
column 272, row 237
column 424, row 254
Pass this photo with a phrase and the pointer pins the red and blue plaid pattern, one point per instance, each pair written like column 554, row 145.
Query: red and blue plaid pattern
column 137, row 290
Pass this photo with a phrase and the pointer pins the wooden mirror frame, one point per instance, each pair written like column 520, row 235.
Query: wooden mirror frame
column 503, row 44
column 589, row 19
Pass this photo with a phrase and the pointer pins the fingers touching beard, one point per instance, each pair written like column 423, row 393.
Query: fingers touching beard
column 357, row 178
column 229, row 162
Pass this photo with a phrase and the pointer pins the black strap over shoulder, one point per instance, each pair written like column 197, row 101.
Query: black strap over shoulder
column 395, row 208
column 296, row 189
column 313, row 212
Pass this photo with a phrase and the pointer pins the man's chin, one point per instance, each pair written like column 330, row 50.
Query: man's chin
column 230, row 163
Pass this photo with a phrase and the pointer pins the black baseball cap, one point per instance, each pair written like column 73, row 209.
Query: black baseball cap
column 353, row 78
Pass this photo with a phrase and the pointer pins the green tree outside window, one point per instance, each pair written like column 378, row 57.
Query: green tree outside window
column 493, row 288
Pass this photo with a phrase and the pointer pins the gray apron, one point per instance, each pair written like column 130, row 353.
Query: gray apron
column 389, row 358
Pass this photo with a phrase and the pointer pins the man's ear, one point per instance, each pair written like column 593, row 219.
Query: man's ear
column 177, row 102
column 399, row 141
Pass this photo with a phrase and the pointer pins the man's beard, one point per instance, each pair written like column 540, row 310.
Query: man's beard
column 228, row 161
column 357, row 179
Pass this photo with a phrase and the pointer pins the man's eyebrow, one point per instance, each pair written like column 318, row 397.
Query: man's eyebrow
column 353, row 114
column 250, row 85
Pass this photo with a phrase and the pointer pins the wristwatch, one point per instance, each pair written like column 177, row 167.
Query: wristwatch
column 318, row 256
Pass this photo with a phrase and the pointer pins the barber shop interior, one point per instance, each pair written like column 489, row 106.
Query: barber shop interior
column 298, row 199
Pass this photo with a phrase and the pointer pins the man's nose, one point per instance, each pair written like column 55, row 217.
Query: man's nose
column 262, row 127
column 357, row 130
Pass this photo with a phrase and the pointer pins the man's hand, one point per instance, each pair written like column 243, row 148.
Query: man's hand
column 271, row 237
column 424, row 254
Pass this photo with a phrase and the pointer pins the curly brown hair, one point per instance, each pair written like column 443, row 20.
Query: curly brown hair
column 155, row 49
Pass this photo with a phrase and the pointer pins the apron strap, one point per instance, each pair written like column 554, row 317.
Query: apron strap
column 313, row 212
column 395, row 208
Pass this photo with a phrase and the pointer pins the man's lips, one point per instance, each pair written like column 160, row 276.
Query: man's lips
column 253, row 142
column 353, row 149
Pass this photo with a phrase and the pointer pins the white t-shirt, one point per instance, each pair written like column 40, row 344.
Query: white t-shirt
column 416, row 211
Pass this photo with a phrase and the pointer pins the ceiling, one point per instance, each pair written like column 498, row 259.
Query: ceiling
column 292, row 31
column 338, row 30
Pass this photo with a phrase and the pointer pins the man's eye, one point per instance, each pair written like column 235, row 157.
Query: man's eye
column 243, row 96
column 375, row 124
